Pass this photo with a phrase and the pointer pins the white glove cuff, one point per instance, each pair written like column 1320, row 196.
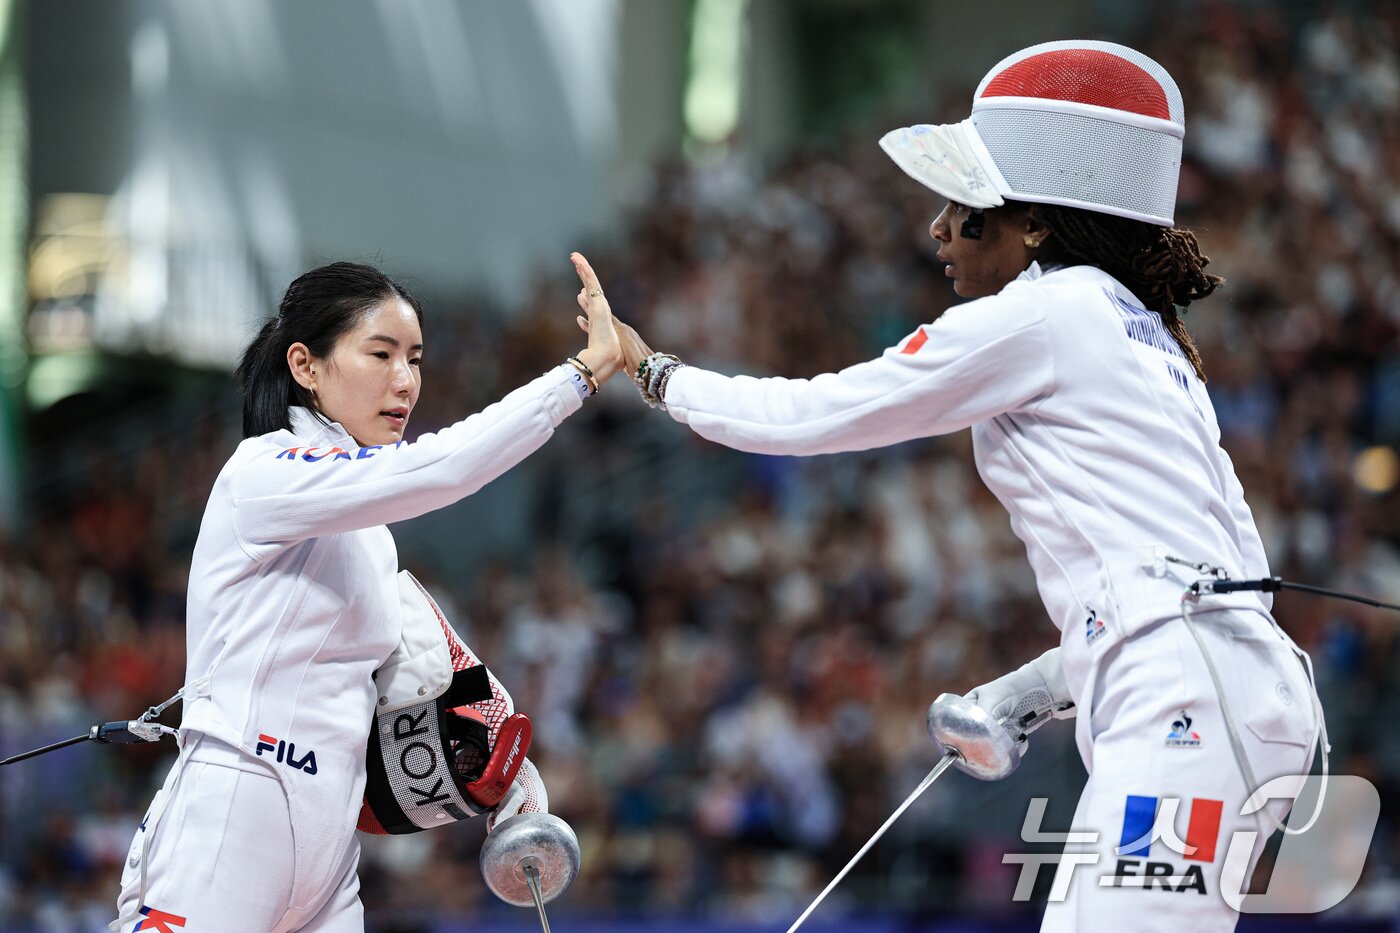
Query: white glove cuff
column 526, row 795
column 1050, row 670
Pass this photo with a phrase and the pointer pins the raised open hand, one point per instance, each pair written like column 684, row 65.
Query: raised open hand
column 603, row 354
column 634, row 348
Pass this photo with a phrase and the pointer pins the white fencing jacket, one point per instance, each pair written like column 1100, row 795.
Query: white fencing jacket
column 1088, row 423
column 293, row 599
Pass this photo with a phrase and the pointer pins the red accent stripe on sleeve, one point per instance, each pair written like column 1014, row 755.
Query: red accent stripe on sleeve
column 1204, row 828
column 915, row 342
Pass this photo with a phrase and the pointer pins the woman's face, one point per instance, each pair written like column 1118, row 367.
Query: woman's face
column 981, row 267
column 370, row 381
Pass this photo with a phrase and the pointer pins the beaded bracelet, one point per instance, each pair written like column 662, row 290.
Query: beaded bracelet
column 665, row 379
column 652, row 375
column 641, row 377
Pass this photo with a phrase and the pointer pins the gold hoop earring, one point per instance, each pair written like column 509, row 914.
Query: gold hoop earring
column 1032, row 241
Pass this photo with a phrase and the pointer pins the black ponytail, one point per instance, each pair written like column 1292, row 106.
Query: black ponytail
column 317, row 309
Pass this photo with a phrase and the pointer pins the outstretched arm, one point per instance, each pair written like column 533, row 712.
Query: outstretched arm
column 285, row 493
column 978, row 360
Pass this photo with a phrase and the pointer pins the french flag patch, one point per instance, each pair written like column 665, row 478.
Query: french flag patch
column 1141, row 829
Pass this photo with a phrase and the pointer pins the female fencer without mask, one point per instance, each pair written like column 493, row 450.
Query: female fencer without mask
column 294, row 602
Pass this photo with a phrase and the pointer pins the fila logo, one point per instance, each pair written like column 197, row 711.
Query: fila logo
column 286, row 753
column 158, row 920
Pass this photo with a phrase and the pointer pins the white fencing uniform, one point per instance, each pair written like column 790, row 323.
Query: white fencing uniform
column 1090, row 426
column 293, row 603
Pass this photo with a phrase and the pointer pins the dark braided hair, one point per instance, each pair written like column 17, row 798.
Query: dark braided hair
column 1162, row 266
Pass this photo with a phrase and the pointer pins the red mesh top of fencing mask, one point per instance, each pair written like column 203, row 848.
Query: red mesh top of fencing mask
column 1085, row 76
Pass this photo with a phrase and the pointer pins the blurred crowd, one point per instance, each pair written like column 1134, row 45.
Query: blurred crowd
column 729, row 699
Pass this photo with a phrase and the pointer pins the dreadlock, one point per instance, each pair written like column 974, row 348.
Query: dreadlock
column 1162, row 266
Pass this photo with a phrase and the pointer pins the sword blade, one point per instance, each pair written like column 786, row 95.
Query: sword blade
column 532, row 878
column 943, row 764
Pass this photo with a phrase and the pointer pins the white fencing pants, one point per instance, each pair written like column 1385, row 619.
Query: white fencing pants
column 220, row 856
column 1165, row 792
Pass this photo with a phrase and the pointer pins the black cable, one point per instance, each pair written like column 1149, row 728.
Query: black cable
column 1304, row 588
column 47, row 748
